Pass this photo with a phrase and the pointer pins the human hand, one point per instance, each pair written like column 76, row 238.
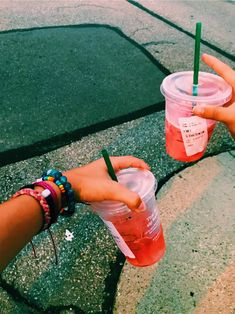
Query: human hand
column 224, row 114
column 92, row 182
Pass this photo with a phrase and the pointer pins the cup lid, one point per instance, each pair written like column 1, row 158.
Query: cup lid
column 136, row 180
column 212, row 89
column 140, row 181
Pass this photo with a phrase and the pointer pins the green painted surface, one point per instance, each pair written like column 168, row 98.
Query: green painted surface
column 58, row 80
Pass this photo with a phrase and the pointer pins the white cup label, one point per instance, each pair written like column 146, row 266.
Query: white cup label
column 194, row 134
column 119, row 239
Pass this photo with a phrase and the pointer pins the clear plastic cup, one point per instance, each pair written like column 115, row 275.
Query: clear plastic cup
column 138, row 235
column 187, row 136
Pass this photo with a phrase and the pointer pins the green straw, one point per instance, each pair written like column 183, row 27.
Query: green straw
column 109, row 165
column 196, row 57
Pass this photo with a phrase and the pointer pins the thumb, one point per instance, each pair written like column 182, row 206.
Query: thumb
column 118, row 192
column 211, row 112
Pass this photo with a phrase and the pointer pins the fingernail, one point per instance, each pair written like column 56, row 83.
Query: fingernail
column 198, row 110
column 141, row 208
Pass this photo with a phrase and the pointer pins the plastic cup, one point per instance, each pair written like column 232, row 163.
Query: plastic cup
column 138, row 235
column 187, row 136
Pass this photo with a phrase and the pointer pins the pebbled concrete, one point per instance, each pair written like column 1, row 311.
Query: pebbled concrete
column 90, row 264
column 85, row 281
column 214, row 28
column 197, row 211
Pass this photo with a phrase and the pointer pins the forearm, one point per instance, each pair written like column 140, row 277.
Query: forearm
column 21, row 218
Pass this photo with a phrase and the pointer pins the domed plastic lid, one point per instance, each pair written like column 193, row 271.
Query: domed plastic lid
column 142, row 182
column 139, row 181
column 212, row 89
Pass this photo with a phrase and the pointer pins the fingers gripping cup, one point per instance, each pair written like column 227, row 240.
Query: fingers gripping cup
column 138, row 235
column 187, row 136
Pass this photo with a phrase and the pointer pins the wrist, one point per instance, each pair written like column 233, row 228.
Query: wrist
column 65, row 187
column 75, row 181
column 30, row 210
column 57, row 191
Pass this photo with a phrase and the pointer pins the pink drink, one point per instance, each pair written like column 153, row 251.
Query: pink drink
column 146, row 249
column 175, row 145
column 138, row 235
column 187, row 136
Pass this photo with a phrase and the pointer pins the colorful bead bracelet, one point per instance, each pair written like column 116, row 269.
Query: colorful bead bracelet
column 48, row 199
column 65, row 188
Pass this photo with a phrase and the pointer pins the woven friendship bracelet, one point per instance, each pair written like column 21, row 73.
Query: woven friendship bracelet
column 54, row 206
column 47, row 194
column 43, row 203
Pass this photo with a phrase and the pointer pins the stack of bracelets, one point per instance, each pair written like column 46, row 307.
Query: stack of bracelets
column 48, row 197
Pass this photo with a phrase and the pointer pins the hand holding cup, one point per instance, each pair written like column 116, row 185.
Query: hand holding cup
column 225, row 114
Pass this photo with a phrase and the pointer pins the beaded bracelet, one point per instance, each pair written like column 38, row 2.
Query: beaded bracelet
column 52, row 199
column 50, row 196
column 49, row 205
column 65, row 188
column 38, row 196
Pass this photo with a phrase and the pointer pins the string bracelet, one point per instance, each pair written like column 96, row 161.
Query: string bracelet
column 50, row 196
column 52, row 201
column 38, row 196
column 48, row 199
column 48, row 202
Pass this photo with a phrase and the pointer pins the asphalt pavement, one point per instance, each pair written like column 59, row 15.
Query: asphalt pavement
column 79, row 76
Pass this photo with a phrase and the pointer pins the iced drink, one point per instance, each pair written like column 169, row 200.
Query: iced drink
column 175, row 144
column 138, row 235
column 187, row 136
